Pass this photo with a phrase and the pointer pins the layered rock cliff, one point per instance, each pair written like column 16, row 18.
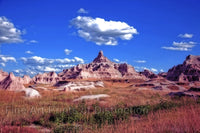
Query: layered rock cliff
column 188, row 71
column 149, row 74
column 101, row 68
column 12, row 83
column 46, row 78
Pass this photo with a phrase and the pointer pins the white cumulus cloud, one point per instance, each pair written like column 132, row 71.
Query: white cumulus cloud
column 177, row 48
column 37, row 64
column 140, row 61
column 161, row 70
column 101, row 32
column 154, row 70
column 4, row 59
column 77, row 59
column 116, row 60
column 40, row 61
column 67, row 51
column 184, row 44
column 8, row 32
column 142, row 68
column 33, row 41
column 29, row 52
column 82, row 10
column 3, row 64
column 181, row 46
column 186, row 35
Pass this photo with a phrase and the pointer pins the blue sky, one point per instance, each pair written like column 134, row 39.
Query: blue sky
column 45, row 35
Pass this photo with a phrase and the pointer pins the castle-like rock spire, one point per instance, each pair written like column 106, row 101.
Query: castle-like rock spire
column 101, row 58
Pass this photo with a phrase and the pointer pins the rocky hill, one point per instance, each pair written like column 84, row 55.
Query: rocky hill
column 46, row 78
column 3, row 75
column 149, row 74
column 188, row 71
column 101, row 68
column 11, row 83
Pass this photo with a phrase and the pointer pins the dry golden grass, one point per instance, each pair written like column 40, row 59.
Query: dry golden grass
column 14, row 108
column 13, row 103
column 182, row 120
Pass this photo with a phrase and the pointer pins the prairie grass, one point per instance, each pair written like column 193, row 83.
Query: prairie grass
column 152, row 111
column 179, row 120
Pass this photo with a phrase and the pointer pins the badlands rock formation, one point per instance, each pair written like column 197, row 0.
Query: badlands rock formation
column 78, row 85
column 101, row 68
column 11, row 83
column 91, row 97
column 3, row 75
column 149, row 74
column 46, row 78
column 30, row 92
column 26, row 79
column 188, row 71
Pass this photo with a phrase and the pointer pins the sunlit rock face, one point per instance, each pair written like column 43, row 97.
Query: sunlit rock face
column 3, row 75
column 11, row 83
column 101, row 68
column 188, row 71
column 26, row 79
column 46, row 78
column 149, row 74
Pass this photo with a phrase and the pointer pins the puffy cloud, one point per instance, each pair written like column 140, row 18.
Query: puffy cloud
column 154, row 70
column 67, row 51
column 8, row 32
column 63, row 66
column 177, row 48
column 33, row 41
column 5, row 59
column 35, row 60
column 77, row 59
column 36, row 64
column 181, row 46
column 184, row 44
column 161, row 70
column 17, row 70
column 101, row 31
column 39, row 61
column 22, row 72
column 29, row 52
column 140, row 61
column 82, row 10
column 116, row 60
column 50, row 69
column 142, row 68
column 3, row 64
column 186, row 35
column 33, row 70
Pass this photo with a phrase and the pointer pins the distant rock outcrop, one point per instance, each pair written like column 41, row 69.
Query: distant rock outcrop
column 77, row 86
column 26, row 79
column 12, row 83
column 46, row 78
column 101, row 68
column 149, row 74
column 3, row 75
column 188, row 71
column 162, row 74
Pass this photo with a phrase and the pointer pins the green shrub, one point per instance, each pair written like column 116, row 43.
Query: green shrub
column 141, row 110
column 67, row 129
column 163, row 105
column 122, row 113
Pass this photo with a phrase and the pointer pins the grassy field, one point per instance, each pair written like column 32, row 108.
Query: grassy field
column 128, row 109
